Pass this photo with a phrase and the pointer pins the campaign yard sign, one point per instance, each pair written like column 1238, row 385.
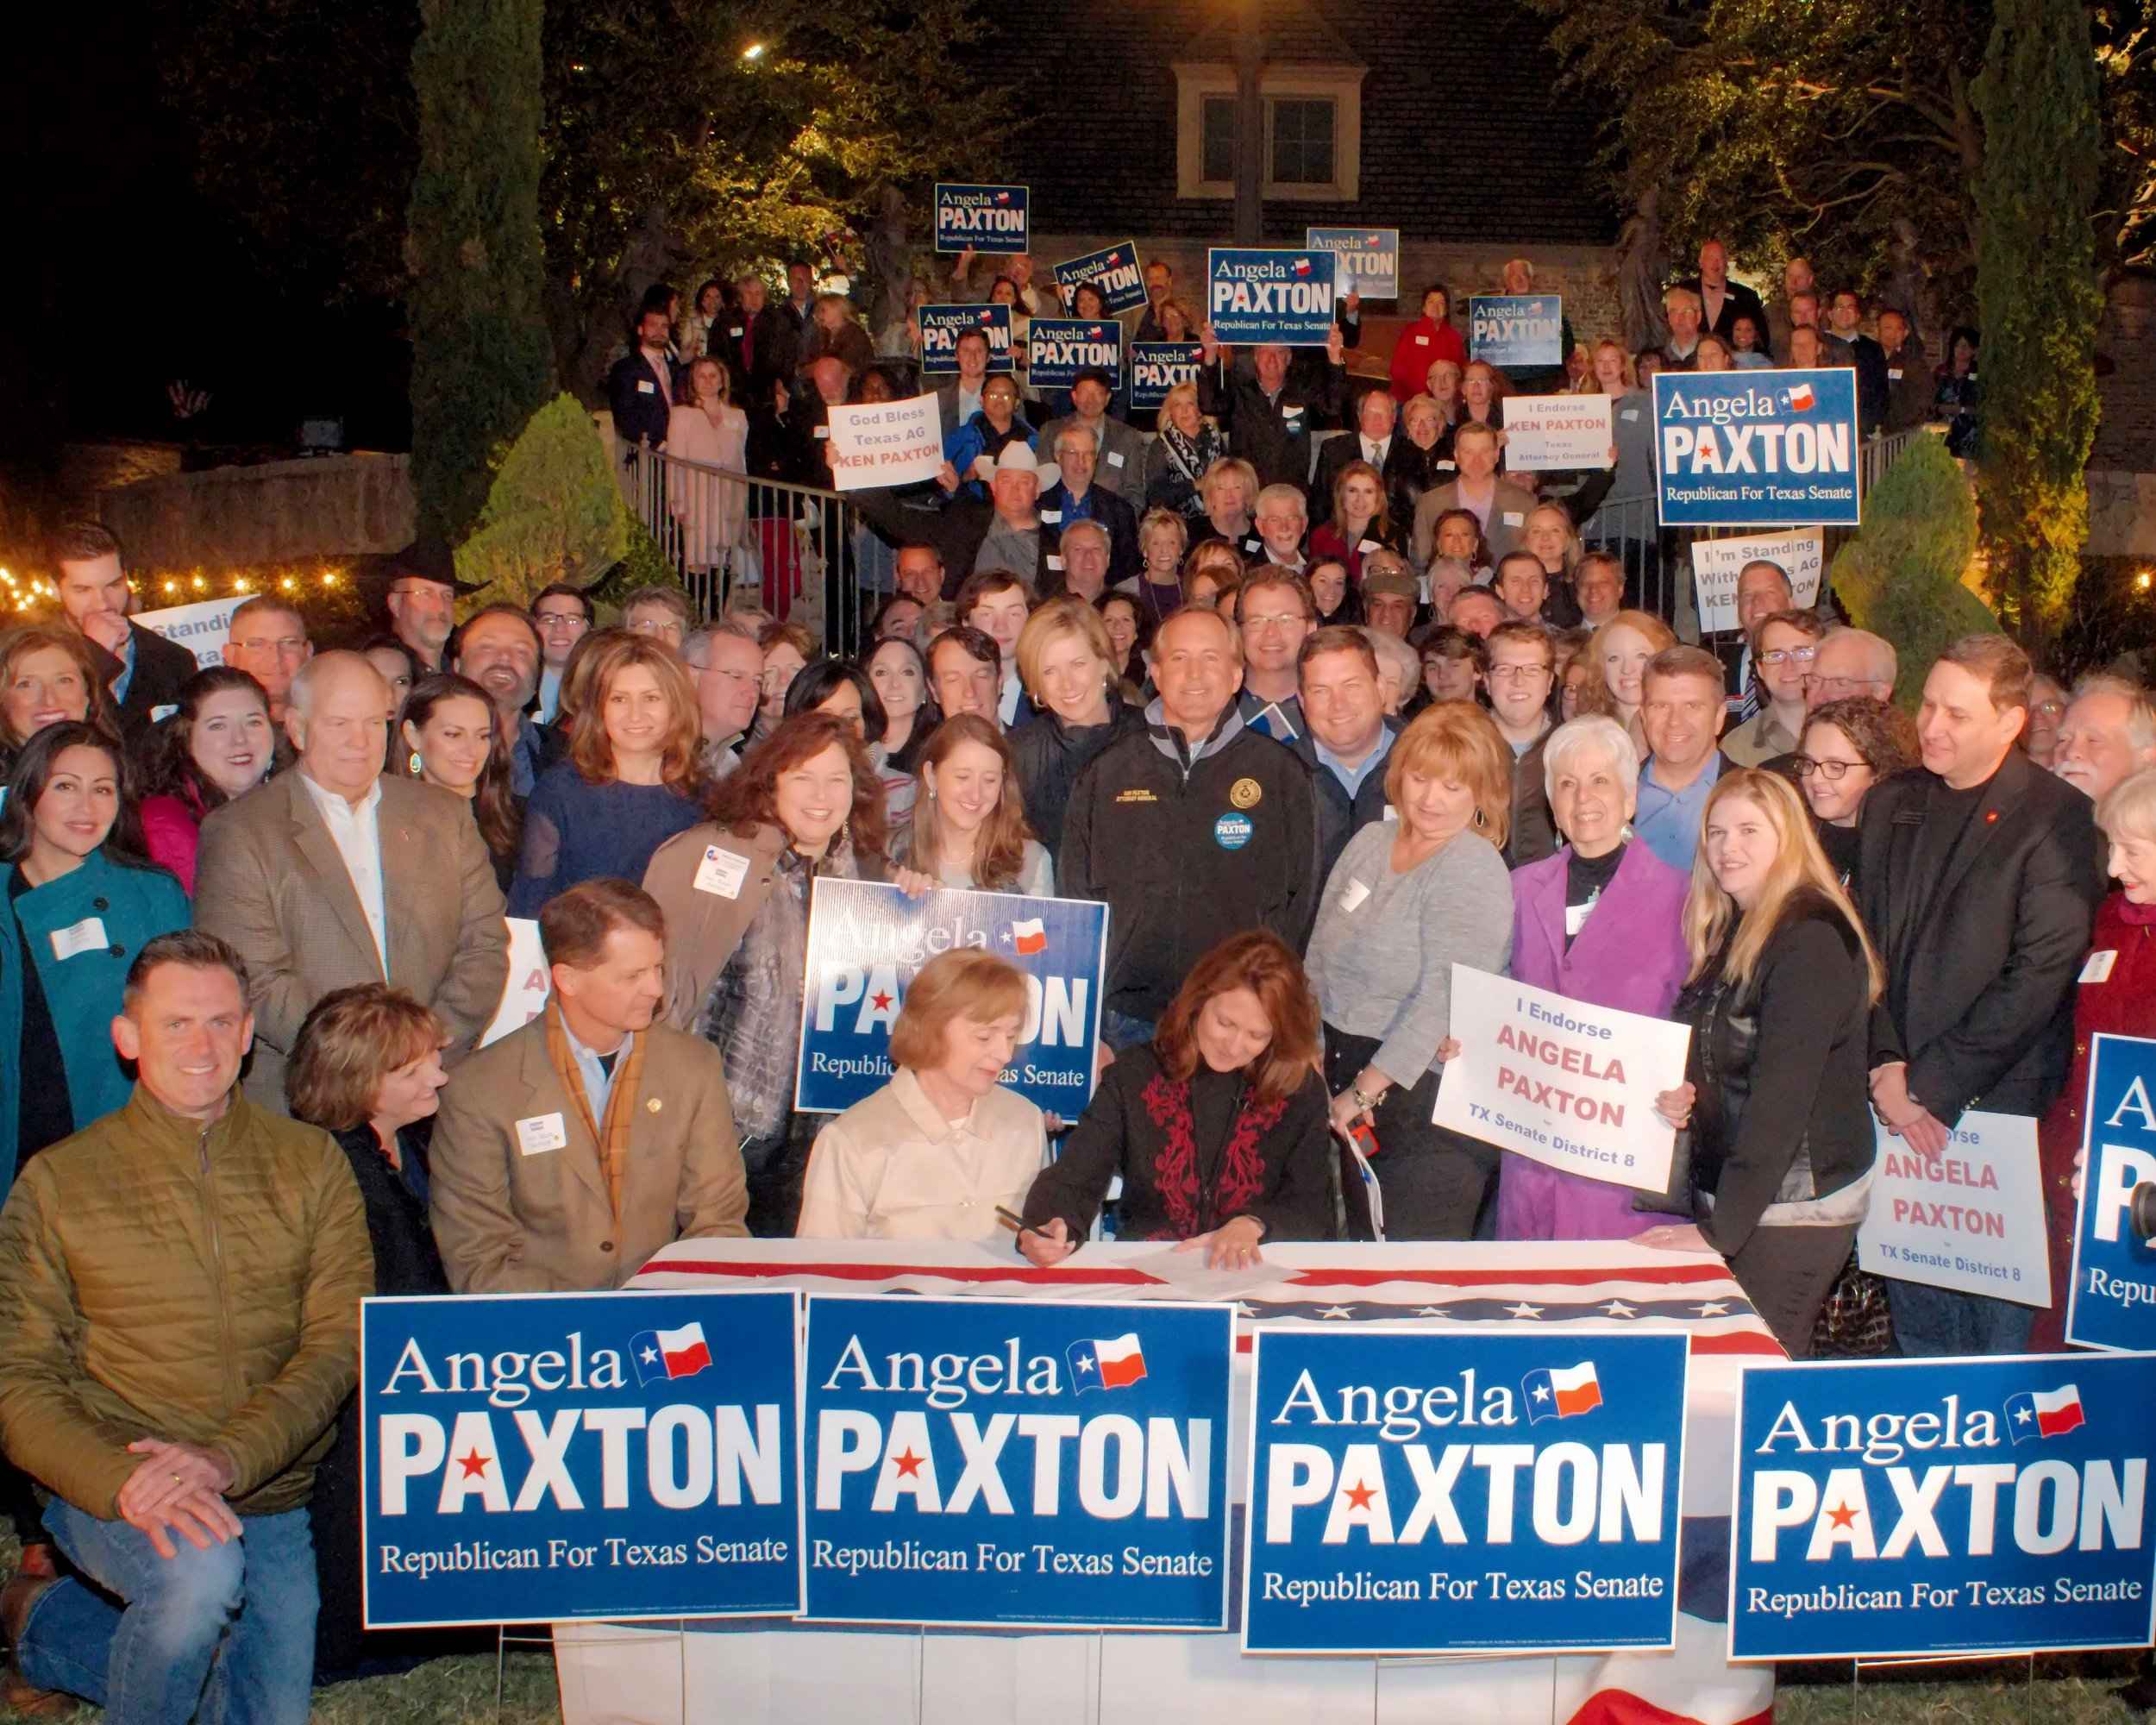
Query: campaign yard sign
column 1013, row 1463
column 941, row 326
column 1906, row 1508
column 1369, row 257
column 866, row 942
column 1972, row 1220
column 1716, row 564
column 1516, row 328
column 1756, row 448
column 1158, row 366
column 1270, row 295
column 884, row 444
column 201, row 629
column 988, row 219
column 1456, row 1493
column 547, row 1456
column 1058, row 348
column 1113, row 270
column 2113, row 1304
column 1556, row 433
column 529, row 982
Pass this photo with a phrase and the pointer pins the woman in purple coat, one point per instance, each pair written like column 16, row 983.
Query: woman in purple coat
column 1602, row 921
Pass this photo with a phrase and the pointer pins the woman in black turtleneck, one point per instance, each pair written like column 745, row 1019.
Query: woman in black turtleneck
column 1848, row 747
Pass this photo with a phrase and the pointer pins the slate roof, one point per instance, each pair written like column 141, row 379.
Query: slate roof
column 1464, row 136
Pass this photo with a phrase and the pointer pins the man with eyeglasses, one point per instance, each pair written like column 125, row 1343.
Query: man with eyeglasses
column 563, row 615
column 1522, row 668
column 422, row 597
column 1785, row 644
column 1763, row 588
column 728, row 667
column 1278, row 615
column 1850, row 662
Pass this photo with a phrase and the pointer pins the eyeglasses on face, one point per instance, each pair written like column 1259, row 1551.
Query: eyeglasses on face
column 1519, row 674
column 1787, row 656
column 1833, row 771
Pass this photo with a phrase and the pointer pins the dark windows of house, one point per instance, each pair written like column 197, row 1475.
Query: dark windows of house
column 1220, row 138
column 1302, row 141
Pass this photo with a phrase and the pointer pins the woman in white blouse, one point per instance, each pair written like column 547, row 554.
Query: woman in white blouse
column 934, row 1153
column 968, row 828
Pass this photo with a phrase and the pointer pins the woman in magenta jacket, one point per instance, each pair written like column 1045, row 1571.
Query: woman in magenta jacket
column 1431, row 337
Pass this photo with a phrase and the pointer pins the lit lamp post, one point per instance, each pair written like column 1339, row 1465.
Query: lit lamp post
column 1250, row 127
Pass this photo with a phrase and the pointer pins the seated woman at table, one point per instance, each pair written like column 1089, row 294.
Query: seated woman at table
column 1219, row 1125
column 1776, row 1092
column 935, row 1152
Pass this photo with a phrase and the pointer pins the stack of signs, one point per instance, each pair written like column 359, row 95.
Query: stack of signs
column 866, row 941
column 1271, row 295
column 1369, row 257
column 941, row 326
column 986, row 218
column 1114, row 271
column 1756, row 448
column 1058, row 348
column 1907, row 1509
column 1454, row 1493
column 2113, row 1304
column 1511, row 330
column 1158, row 366
column 625, row 1455
column 1009, row 1463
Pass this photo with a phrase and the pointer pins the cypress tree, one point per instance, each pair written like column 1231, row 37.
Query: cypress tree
column 2038, row 302
column 482, row 359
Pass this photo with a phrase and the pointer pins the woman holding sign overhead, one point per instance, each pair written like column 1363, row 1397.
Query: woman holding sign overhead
column 1777, row 1099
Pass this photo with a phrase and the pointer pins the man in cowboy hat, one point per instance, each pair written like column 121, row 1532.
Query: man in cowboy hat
column 969, row 534
column 420, row 590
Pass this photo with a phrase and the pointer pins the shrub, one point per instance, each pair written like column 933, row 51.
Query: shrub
column 554, row 513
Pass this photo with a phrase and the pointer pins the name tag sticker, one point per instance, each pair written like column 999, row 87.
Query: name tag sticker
column 823, row 431
column 1054, row 518
column 1513, row 517
column 1352, row 899
column 1291, row 413
column 1053, row 561
column 1628, row 413
column 721, row 872
column 1367, row 547
column 1391, row 814
column 2097, row 970
column 86, row 936
column 1576, row 918
column 1422, row 341
column 735, row 332
column 1115, row 456
column 160, row 714
column 1895, row 374
column 539, row 1133
column 645, row 387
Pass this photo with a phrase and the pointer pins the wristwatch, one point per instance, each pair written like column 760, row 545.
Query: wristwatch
column 1365, row 1103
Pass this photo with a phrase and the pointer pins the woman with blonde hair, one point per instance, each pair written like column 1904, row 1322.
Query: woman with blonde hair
column 1067, row 664
column 1162, row 537
column 945, row 1145
column 1409, row 900
column 1777, row 1095
column 968, row 829
column 1229, row 494
column 1617, row 656
column 1183, row 455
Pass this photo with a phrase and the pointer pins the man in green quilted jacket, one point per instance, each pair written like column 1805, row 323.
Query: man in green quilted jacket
column 180, row 1289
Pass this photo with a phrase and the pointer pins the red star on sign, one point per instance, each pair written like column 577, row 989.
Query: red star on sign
column 1360, row 1496
column 909, row 1464
column 474, row 1464
column 1843, row 1517
column 881, row 1000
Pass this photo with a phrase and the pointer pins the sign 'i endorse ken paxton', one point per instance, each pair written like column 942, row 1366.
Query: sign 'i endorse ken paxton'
column 1897, row 1508
column 1449, row 1492
column 1015, row 1462
column 1756, row 448
column 543, row 1456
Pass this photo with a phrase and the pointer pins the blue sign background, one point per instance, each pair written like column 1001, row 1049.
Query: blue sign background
column 989, row 218
column 1058, row 348
column 1477, row 1574
column 1516, row 328
column 1158, row 366
column 941, row 326
column 865, row 943
column 1989, row 1536
column 1756, row 448
column 531, row 1476
column 1270, row 295
column 1114, row 271
column 2113, row 1303
column 1035, row 1502
column 1369, row 257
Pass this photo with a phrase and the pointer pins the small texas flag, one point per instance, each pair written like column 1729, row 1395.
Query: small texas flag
column 662, row 1354
column 1113, row 1364
column 2043, row 1414
column 987, row 316
column 1302, row 265
column 1096, row 334
column 1003, row 198
column 1560, row 1394
column 1798, row 398
column 1028, row 936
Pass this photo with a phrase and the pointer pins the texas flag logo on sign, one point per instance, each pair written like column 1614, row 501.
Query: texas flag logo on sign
column 1302, row 265
column 1560, row 1394
column 663, row 1354
column 1003, row 198
column 1799, row 398
column 1028, row 936
column 2043, row 1414
column 1113, row 1364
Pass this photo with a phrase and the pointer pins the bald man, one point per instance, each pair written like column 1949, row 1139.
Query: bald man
column 1849, row 662
column 298, row 876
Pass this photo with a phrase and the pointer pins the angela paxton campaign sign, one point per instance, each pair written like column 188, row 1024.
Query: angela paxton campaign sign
column 1516, row 328
column 541, row 1456
column 1756, row 448
column 1369, row 257
column 1456, row 1493
column 866, row 942
column 941, row 326
column 1903, row 1508
column 1058, row 348
column 987, row 218
column 1271, row 295
column 1158, row 366
column 1013, row 1463
column 1115, row 271
column 2114, row 1300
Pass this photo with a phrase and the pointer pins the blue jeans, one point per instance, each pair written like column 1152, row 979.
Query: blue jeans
column 1934, row 1322
column 225, row 1636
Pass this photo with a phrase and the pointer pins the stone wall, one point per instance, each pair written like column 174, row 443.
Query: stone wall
column 323, row 507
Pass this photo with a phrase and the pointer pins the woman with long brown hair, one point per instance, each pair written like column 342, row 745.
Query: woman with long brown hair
column 46, row 674
column 1218, row 1126
column 1362, row 520
column 968, row 829
column 449, row 738
column 219, row 745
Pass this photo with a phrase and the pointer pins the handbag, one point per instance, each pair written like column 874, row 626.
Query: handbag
column 1856, row 1322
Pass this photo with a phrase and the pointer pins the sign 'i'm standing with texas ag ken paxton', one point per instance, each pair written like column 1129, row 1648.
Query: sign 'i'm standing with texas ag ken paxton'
column 1756, row 448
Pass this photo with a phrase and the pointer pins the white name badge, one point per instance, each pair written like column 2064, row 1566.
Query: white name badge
column 1367, row 547
column 1628, row 413
column 823, row 431
column 1352, row 899
column 2097, row 970
column 1291, row 412
column 645, row 387
column 1895, row 375
column 1115, row 456
column 1576, row 918
column 160, row 714
column 1054, row 562
column 1513, row 517
column 734, row 333
column 721, row 872
column 1054, row 518
column 86, row 936
column 1391, row 814
column 1422, row 341
column 540, row 1133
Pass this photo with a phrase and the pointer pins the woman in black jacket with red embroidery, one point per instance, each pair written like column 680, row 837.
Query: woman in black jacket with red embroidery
column 1219, row 1125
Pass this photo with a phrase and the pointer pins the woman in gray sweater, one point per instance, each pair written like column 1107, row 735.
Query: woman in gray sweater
column 1409, row 898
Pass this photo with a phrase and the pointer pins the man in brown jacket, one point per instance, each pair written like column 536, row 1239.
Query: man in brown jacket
column 337, row 874
column 568, row 1152
column 180, row 1289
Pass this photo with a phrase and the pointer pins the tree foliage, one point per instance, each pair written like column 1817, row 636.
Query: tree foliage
column 555, row 510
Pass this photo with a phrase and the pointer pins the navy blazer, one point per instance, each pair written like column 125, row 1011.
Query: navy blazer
column 641, row 408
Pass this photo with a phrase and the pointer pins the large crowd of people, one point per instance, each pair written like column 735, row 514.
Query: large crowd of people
column 1315, row 727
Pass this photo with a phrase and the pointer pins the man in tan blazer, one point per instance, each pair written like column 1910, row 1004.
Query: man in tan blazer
column 571, row 1150
column 334, row 874
column 1503, row 505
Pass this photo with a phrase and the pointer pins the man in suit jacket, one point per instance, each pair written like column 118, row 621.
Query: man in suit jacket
column 1978, row 878
column 1270, row 415
column 640, row 387
column 142, row 669
column 1119, row 448
column 957, row 401
column 298, row 876
column 1375, row 439
column 1502, row 506
column 1722, row 301
column 571, row 1150
column 1077, row 495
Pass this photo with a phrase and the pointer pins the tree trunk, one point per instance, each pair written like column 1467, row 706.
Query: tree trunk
column 589, row 330
column 890, row 270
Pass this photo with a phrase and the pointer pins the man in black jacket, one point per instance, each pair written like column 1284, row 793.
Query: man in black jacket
column 143, row 669
column 640, row 387
column 1270, row 415
column 1346, row 737
column 1193, row 832
column 1722, row 301
column 1978, row 881
column 1077, row 497
column 968, row 534
column 1374, row 438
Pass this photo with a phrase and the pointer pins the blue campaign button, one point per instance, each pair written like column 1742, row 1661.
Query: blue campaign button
column 1232, row 832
